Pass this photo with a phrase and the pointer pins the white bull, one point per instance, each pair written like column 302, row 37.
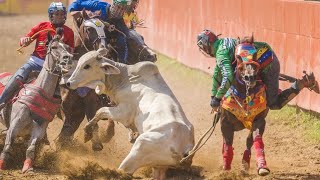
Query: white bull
column 144, row 103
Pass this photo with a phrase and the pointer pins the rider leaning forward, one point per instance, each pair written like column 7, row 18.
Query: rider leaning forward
column 57, row 18
column 111, row 13
column 223, row 50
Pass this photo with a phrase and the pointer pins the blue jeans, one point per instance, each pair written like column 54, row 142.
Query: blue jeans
column 23, row 72
column 21, row 76
column 122, row 46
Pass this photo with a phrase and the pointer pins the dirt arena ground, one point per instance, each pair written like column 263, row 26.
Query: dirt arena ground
column 289, row 155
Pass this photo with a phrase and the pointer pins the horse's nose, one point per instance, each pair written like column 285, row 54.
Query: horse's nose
column 152, row 57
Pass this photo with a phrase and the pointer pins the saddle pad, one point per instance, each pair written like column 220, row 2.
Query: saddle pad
column 4, row 78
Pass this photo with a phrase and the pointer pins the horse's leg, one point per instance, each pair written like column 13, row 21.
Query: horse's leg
column 258, row 127
column 19, row 120
column 93, row 103
column 247, row 153
column 227, row 133
column 38, row 132
column 73, row 109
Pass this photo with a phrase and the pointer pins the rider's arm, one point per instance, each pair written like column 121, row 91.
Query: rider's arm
column 216, row 80
column 26, row 40
column 224, row 61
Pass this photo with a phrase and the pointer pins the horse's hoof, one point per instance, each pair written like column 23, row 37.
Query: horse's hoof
column 2, row 164
column 97, row 146
column 263, row 171
column 27, row 166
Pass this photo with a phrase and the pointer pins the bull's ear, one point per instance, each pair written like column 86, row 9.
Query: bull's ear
column 102, row 51
column 109, row 69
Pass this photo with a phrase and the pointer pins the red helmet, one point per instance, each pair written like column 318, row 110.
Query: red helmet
column 205, row 40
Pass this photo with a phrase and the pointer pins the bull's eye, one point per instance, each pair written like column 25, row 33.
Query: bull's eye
column 86, row 66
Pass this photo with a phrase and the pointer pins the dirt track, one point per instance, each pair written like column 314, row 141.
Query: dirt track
column 289, row 156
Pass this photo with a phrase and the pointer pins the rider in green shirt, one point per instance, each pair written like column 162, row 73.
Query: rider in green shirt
column 223, row 51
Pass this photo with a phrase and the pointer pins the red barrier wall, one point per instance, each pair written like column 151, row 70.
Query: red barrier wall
column 290, row 27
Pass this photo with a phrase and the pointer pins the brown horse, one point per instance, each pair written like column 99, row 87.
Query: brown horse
column 76, row 104
column 36, row 105
column 245, row 106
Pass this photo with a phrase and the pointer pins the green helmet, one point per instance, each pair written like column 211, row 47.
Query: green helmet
column 122, row 2
column 119, row 7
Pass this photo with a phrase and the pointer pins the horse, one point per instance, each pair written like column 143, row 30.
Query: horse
column 245, row 107
column 36, row 106
column 75, row 104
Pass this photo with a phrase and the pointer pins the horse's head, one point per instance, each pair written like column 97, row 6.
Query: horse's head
column 138, row 50
column 59, row 57
column 247, row 65
column 91, row 30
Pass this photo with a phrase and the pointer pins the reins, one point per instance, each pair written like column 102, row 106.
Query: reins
column 198, row 146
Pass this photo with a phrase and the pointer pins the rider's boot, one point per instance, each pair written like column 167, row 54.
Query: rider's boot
column 246, row 159
column 227, row 153
column 262, row 168
column 10, row 90
column 307, row 81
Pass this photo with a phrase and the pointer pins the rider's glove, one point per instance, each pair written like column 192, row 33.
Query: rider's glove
column 25, row 41
column 215, row 102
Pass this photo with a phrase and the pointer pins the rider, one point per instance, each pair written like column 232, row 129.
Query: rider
column 111, row 13
column 57, row 16
column 130, row 17
column 224, row 52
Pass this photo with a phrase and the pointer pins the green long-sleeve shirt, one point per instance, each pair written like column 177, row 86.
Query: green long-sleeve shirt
column 223, row 71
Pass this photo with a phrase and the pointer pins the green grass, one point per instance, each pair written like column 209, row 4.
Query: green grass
column 296, row 117
column 290, row 116
column 165, row 63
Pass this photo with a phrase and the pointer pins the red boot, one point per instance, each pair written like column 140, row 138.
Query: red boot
column 262, row 168
column 227, row 152
column 246, row 159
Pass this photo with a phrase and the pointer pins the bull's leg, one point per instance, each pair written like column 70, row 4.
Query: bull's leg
column 121, row 113
column 145, row 152
column 258, row 127
column 19, row 120
column 38, row 132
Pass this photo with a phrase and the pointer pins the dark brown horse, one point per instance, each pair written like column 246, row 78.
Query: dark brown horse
column 245, row 107
column 76, row 104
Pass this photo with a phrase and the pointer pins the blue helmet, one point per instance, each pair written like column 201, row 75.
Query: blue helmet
column 56, row 6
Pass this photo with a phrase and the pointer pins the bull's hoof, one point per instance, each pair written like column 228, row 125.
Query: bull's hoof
column 88, row 133
column 109, row 133
column 263, row 171
column 2, row 164
column 27, row 166
column 97, row 146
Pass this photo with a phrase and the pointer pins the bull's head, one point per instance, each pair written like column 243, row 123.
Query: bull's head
column 91, row 71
